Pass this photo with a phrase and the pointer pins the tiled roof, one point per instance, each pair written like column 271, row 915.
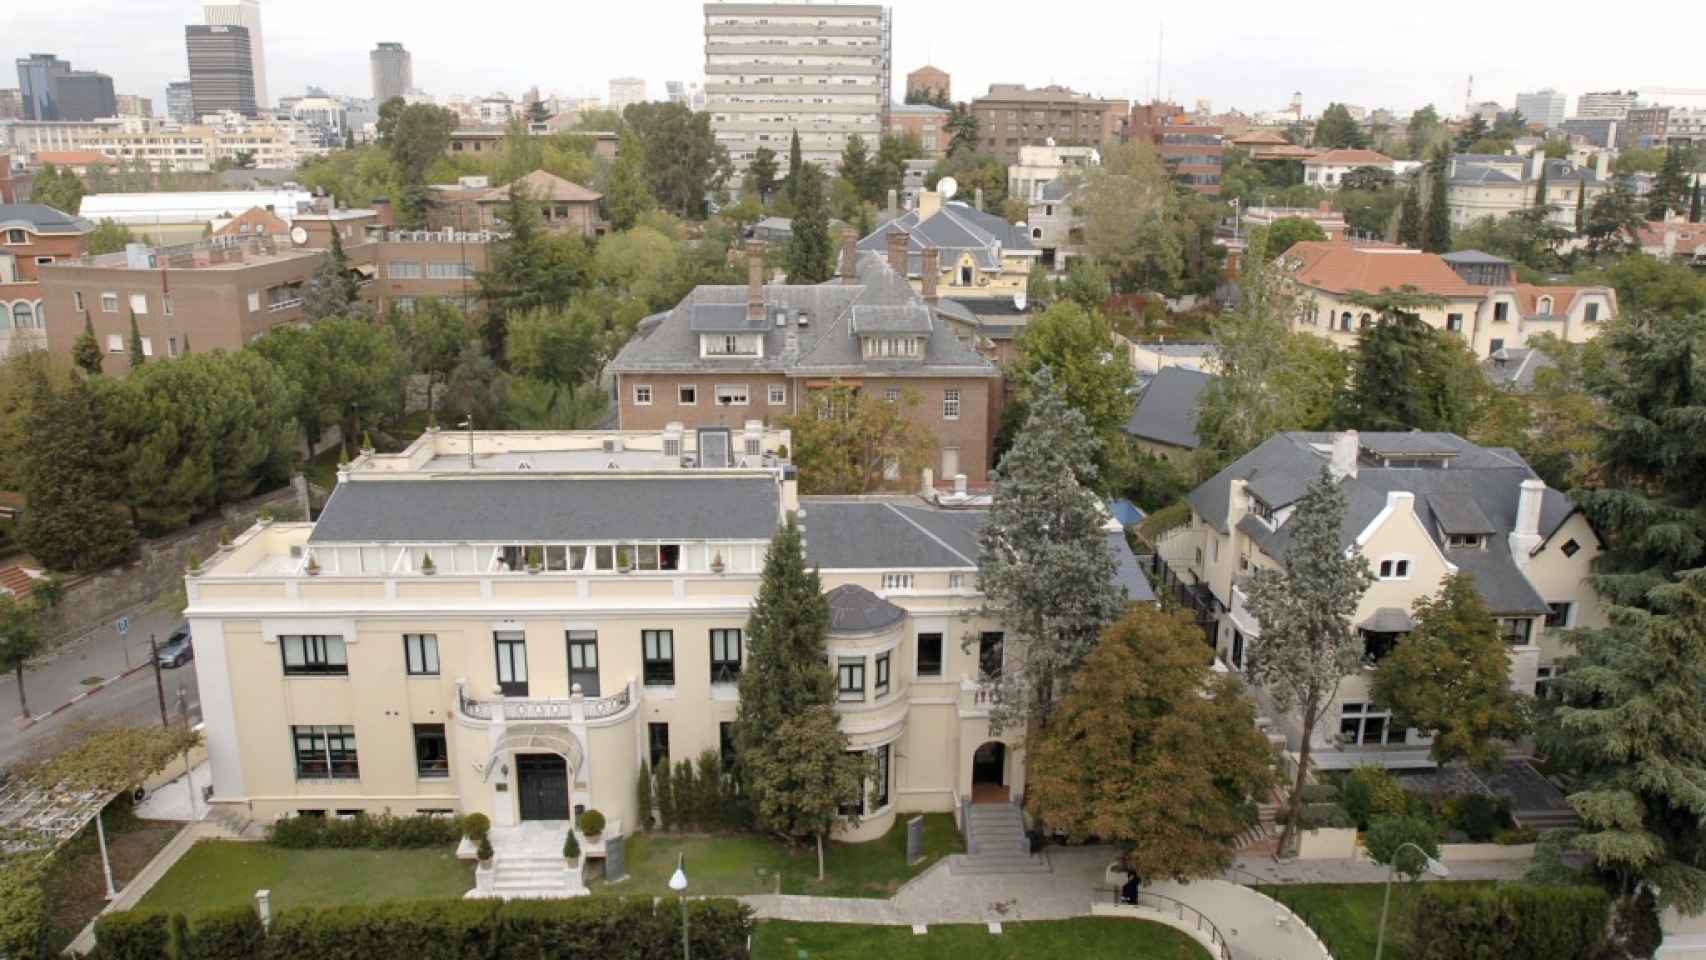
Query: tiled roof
column 71, row 158
column 39, row 218
column 1690, row 237
column 1166, row 410
column 545, row 186
column 1528, row 298
column 1351, row 158
column 1259, row 137
column 1341, row 268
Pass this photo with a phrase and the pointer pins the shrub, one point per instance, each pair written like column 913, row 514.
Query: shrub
column 1320, row 793
column 1476, row 815
column 133, row 935
column 664, row 786
column 1516, row 836
column 223, row 933
column 643, row 797
column 1512, row 922
column 23, row 909
column 571, row 847
column 417, row 929
column 484, row 853
column 592, row 823
column 475, row 826
column 1372, row 792
column 1315, row 816
column 1388, row 834
column 380, row 832
column 710, row 783
column 686, row 790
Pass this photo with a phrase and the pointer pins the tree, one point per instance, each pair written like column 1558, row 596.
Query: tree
column 791, row 754
column 627, row 198
column 110, row 237
column 1540, row 186
column 59, row 189
column 1410, row 217
column 363, row 376
column 1450, row 678
column 529, row 269
column 137, row 356
column 856, row 169
column 1283, row 233
column 24, row 916
column 331, row 290
column 1436, row 229
column 432, row 337
column 794, row 165
column 682, row 162
column 477, row 389
column 1150, row 749
column 1695, row 200
column 1423, row 130
column 962, row 128
column 415, row 136
column 1369, row 178
column 853, row 442
column 1305, row 608
column 20, row 641
column 810, row 256
column 763, row 171
column 1130, row 214
column 1338, row 130
column 86, row 352
column 1085, row 284
column 893, row 152
column 1043, row 559
column 537, row 112
column 71, row 482
column 1092, row 375
column 1614, row 220
column 299, row 353
column 564, row 348
column 1472, row 132
column 1407, row 375
column 1670, row 188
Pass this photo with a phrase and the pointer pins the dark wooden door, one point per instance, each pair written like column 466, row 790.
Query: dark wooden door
column 543, row 779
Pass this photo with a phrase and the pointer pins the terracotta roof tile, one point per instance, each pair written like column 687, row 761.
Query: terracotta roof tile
column 1352, row 158
column 1339, row 267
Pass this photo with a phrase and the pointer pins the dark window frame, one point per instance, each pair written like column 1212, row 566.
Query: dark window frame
column 1558, row 615
column 582, row 641
column 658, row 670
column 429, row 767
column 883, row 671
column 417, row 643
column 923, row 664
column 654, row 756
column 510, row 638
column 316, row 655
column 884, row 758
column 724, row 670
column 850, row 679
column 991, row 654
column 312, row 750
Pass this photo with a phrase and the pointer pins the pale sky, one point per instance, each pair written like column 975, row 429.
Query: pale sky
column 1249, row 54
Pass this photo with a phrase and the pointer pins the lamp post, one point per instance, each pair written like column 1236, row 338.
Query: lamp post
column 1433, row 866
column 678, row 883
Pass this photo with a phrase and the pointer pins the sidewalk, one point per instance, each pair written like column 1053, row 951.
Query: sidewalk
column 100, row 656
column 1264, row 869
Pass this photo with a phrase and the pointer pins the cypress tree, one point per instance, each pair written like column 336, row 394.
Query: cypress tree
column 810, row 256
column 1540, row 188
column 794, row 163
column 1581, row 204
column 1436, row 230
column 1694, row 202
column 86, row 353
column 137, row 357
column 72, row 482
column 1410, row 218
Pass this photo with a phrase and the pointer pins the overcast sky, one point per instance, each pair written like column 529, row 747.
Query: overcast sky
column 1249, row 54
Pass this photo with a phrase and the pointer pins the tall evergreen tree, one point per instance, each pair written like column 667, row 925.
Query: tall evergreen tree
column 137, row 357
column 72, row 482
column 855, row 167
column 517, row 278
column 794, row 165
column 1540, row 187
column 1694, row 201
column 1410, row 217
column 810, row 256
column 86, row 352
column 1436, row 229
column 791, row 753
column 331, row 290
column 1407, row 375
column 1043, row 559
column 763, row 170
column 1581, row 208
column 1305, row 608
column 1670, row 187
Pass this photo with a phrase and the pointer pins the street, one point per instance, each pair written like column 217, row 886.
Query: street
column 100, row 656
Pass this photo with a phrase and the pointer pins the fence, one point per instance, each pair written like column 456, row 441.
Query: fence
column 1186, row 915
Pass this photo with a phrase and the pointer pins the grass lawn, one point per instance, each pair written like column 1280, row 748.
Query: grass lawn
column 746, row 863
column 1347, row 915
column 74, row 884
column 1098, row 938
column 221, row 873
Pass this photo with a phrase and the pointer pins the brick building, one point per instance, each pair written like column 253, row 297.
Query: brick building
column 1193, row 151
column 1012, row 115
column 928, row 82
column 31, row 237
column 929, row 124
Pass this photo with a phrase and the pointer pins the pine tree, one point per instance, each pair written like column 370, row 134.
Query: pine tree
column 810, row 256
column 1410, row 218
column 1043, row 558
column 71, row 480
column 137, row 357
column 86, row 352
column 763, row 170
column 1540, row 187
column 1581, row 205
column 1670, row 187
column 1695, row 201
column 856, row 167
column 1436, row 230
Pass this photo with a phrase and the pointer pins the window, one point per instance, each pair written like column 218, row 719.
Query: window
column 171, row 346
column 1558, row 615
column 725, row 656
column 583, row 661
column 687, row 395
column 254, row 301
column 882, row 783
column 510, row 647
column 1501, row 312
column 313, row 654
column 850, row 672
column 778, row 395
column 882, row 675
column 732, row 396
column 147, row 346
column 891, row 394
column 325, row 753
column 1262, row 508
column 1591, row 313
column 1495, row 345
column 897, row 581
column 166, row 304
column 1544, row 306
column 1360, row 724
column 658, row 648
column 115, row 343
column 77, row 300
column 951, row 403
column 1517, row 631
column 989, row 657
column 1345, row 320
column 1464, row 541
column 420, row 653
column 109, row 303
column 16, row 236
column 432, row 752
column 657, row 743
column 643, row 394
column 1394, row 569
column 1570, row 547
column 139, row 304
column 1543, row 677
column 1454, row 322
column 929, row 655
column 403, row 270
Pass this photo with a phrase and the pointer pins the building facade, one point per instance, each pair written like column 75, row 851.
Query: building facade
column 245, row 14
column 776, row 68
column 626, row 91
column 32, row 237
column 180, row 102
column 1194, row 152
column 1545, row 107
column 393, row 70
column 1480, row 186
column 277, row 144
column 929, row 83
column 1605, row 104
column 50, row 90
column 1011, row 116
column 132, row 105
column 927, row 123
column 221, row 64
column 1328, row 169
column 1038, row 166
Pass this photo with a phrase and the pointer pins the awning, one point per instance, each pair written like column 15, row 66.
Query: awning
column 1388, row 620
column 537, row 738
column 367, row 270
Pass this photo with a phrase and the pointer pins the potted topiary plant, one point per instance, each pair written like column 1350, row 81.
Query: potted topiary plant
column 225, row 536
column 193, row 564
column 475, row 826
column 484, row 854
column 313, row 567
column 591, row 823
column 717, row 565
column 624, row 561
column 427, row 567
column 571, row 848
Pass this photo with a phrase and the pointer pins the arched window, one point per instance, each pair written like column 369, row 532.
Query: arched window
column 23, row 317
column 1345, row 320
column 1545, row 306
column 1365, row 321
column 1036, row 233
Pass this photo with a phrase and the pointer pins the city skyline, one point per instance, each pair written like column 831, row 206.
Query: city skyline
column 140, row 45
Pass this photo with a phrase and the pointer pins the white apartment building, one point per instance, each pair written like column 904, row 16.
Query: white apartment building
column 774, row 68
column 243, row 13
column 189, row 148
column 625, row 91
column 1542, row 106
column 1039, row 166
column 1605, row 105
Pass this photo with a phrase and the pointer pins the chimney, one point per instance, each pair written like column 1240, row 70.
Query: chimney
column 755, row 280
column 1602, row 164
column 977, row 198
column 1345, row 447
column 1324, row 207
column 899, row 240
column 929, row 204
column 930, row 269
column 1525, row 536
column 849, row 257
column 382, row 207
column 894, row 203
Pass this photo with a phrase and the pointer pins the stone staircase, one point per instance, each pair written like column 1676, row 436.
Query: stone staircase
column 528, row 864
column 996, row 843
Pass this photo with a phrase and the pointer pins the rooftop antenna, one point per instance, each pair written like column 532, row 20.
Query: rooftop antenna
column 1160, row 50
column 1469, row 97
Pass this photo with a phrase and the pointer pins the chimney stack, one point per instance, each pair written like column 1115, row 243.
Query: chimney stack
column 894, row 203
column 1525, row 535
column 898, row 243
column 977, row 198
column 755, row 280
column 1345, row 447
column 930, row 269
column 1602, row 164
column 929, row 204
column 849, row 257
column 382, row 208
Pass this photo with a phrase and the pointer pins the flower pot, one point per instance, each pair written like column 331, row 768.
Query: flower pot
column 533, row 568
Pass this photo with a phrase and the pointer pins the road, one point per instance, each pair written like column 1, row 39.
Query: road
column 100, row 656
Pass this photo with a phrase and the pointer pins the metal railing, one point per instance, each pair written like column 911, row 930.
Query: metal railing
column 592, row 708
column 1185, row 913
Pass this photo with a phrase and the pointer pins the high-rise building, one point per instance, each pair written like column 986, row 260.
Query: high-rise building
column 773, row 68
column 51, row 91
column 243, row 13
column 11, row 105
column 1542, row 106
column 1605, row 105
column 626, row 90
column 690, row 94
column 180, row 106
column 221, row 70
column 393, row 71
column 132, row 105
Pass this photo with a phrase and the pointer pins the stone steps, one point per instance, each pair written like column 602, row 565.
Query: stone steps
column 997, row 843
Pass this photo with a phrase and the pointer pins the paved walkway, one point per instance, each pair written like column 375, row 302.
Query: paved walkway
column 1264, row 869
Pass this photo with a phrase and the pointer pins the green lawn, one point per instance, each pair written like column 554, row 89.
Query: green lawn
column 744, row 863
column 219, row 873
column 1097, row 938
column 1347, row 915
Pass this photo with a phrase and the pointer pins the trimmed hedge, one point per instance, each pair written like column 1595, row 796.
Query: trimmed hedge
column 1512, row 922
column 382, row 832
column 439, row 930
column 1371, row 792
column 1320, row 793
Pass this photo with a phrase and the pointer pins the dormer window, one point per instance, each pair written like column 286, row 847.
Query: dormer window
column 732, row 345
column 1465, row 541
column 1263, row 509
column 891, row 347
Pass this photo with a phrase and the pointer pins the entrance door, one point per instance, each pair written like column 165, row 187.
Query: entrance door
column 543, row 781
column 989, row 773
column 950, row 463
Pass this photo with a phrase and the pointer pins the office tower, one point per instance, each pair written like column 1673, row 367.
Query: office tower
column 179, row 104
column 243, row 13
column 51, row 91
column 393, row 71
column 221, row 70
column 1542, row 106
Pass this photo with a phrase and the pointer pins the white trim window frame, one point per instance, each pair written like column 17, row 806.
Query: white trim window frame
column 733, row 395
column 642, row 394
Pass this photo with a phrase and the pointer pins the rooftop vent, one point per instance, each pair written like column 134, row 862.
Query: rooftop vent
column 781, row 318
column 524, row 464
column 805, row 319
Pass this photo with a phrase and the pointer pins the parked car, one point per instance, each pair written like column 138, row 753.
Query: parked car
column 178, row 649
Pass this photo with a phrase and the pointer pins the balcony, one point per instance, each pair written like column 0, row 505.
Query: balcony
column 279, row 306
column 576, row 709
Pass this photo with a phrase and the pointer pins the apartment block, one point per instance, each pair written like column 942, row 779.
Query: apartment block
column 928, row 124
column 1605, row 104
column 626, row 91
column 1012, row 115
column 1545, row 107
column 180, row 102
column 169, row 145
column 774, row 69
column 31, row 237
column 1193, row 152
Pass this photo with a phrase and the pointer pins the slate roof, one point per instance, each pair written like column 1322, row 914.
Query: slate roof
column 1514, row 368
column 956, row 229
column 42, row 219
column 1166, row 410
column 1283, row 466
column 1059, row 189
column 853, row 609
column 1350, row 158
column 486, row 509
column 1475, row 257
column 827, row 345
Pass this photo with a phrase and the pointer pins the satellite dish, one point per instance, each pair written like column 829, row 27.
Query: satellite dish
column 298, row 236
column 947, row 187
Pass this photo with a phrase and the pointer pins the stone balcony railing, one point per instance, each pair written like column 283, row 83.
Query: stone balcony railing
column 575, row 709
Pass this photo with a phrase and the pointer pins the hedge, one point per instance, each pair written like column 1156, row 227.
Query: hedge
column 616, row 927
column 380, row 832
column 1512, row 922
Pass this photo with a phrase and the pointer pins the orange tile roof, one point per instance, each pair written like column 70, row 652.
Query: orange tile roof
column 1690, row 237
column 545, row 186
column 71, row 158
column 1259, row 136
column 1563, row 298
column 1338, row 267
column 1352, row 158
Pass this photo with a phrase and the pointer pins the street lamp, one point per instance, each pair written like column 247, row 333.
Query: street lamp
column 1433, row 866
column 678, row 883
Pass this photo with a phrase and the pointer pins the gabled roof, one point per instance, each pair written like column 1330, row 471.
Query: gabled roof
column 1339, row 267
column 1514, row 368
column 42, row 219
column 542, row 185
column 956, row 229
column 1350, row 158
column 1166, row 410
